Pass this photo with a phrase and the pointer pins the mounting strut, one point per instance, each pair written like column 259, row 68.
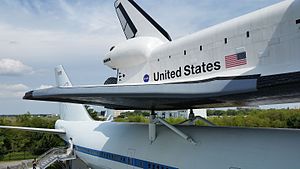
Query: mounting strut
column 152, row 129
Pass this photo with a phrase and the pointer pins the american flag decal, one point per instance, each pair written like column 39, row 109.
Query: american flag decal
column 236, row 60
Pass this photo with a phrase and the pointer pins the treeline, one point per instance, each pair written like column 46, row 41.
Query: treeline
column 231, row 112
column 33, row 144
column 134, row 113
column 274, row 118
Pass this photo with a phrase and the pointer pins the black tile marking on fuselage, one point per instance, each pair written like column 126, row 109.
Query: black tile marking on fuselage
column 278, row 79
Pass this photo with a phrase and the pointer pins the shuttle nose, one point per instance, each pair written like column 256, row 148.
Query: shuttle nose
column 28, row 96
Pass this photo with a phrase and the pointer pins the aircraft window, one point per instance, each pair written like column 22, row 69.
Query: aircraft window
column 226, row 40
column 170, row 57
column 298, row 21
column 184, row 52
column 248, row 34
column 158, row 60
column 201, row 48
column 112, row 48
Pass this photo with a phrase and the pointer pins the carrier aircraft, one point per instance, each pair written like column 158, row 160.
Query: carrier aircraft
column 247, row 61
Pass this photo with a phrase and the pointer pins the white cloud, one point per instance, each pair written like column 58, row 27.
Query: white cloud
column 53, row 46
column 13, row 67
column 8, row 91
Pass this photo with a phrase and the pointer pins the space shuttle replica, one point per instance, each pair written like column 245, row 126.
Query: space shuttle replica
column 247, row 61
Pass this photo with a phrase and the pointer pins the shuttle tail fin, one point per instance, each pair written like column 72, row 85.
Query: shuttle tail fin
column 68, row 111
column 136, row 22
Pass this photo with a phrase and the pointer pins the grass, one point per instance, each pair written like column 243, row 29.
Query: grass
column 14, row 156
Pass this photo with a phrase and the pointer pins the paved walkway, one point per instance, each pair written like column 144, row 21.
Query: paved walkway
column 4, row 164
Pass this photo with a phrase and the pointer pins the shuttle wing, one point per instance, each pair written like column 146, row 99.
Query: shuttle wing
column 41, row 130
column 198, row 94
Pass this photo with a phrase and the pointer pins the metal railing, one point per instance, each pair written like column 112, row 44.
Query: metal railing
column 54, row 155
column 43, row 161
column 51, row 151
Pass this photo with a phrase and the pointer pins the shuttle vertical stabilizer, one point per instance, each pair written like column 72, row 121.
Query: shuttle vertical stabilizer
column 137, row 23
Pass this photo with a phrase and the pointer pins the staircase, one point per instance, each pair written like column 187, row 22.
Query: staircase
column 54, row 155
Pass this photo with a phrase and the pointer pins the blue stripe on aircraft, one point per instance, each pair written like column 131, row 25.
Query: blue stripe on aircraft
column 122, row 159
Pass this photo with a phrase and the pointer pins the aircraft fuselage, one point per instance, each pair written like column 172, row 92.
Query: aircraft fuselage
column 107, row 145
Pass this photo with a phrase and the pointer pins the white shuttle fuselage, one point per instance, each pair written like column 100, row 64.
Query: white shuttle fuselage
column 270, row 37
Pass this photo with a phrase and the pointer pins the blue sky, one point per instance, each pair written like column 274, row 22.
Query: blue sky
column 37, row 35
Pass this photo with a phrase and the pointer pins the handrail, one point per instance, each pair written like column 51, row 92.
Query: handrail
column 45, row 154
column 53, row 155
column 49, row 151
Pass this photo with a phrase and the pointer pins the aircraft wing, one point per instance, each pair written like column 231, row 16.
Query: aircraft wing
column 41, row 130
column 198, row 94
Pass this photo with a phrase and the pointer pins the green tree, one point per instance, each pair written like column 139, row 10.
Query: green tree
column 3, row 149
column 293, row 121
column 93, row 113
column 20, row 141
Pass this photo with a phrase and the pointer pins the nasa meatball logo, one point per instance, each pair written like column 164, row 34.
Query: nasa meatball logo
column 146, row 78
